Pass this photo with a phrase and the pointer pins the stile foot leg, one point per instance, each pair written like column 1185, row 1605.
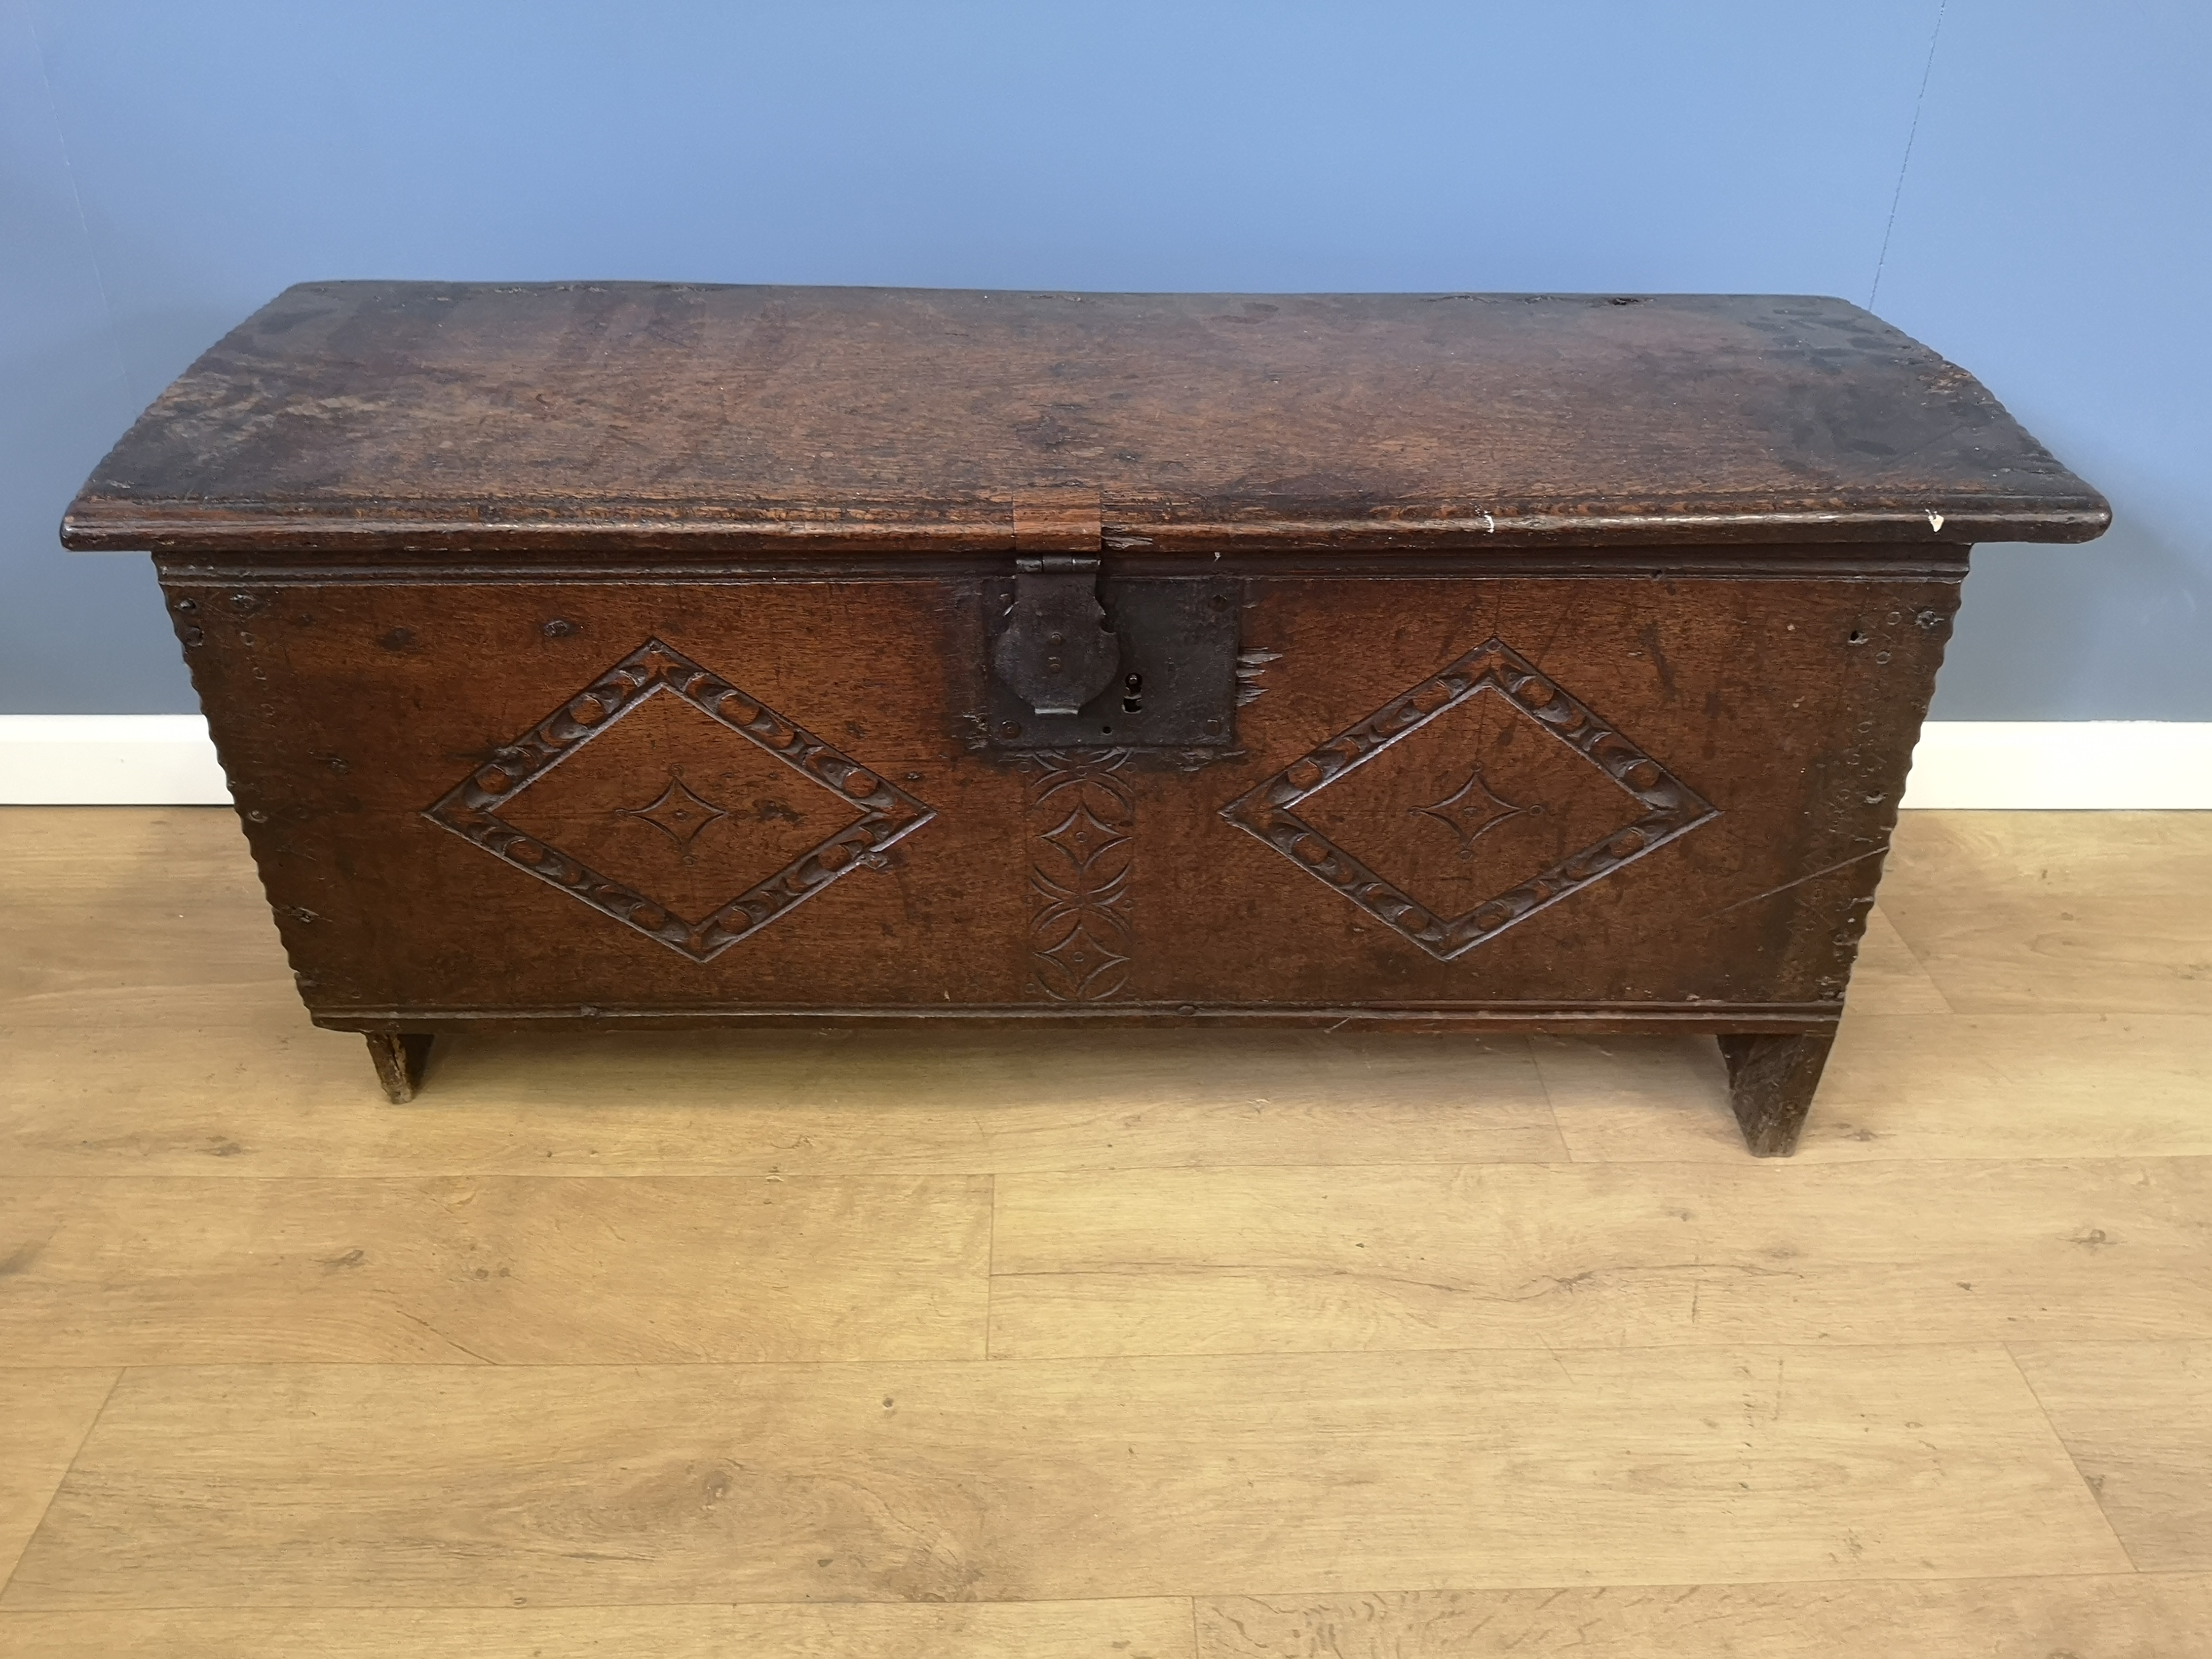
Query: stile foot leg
column 399, row 1057
column 1770, row 1083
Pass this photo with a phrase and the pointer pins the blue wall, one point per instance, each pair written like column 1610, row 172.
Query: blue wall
column 168, row 166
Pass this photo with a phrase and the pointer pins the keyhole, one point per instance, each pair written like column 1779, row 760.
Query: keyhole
column 1132, row 690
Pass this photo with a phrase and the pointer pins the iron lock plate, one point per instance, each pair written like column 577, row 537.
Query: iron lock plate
column 1172, row 681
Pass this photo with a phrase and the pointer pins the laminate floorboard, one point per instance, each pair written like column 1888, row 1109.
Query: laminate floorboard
column 151, row 914
column 2023, row 912
column 44, row 1418
column 2136, row 1616
column 1055, row 1480
column 1600, row 1256
column 845, row 1630
column 273, row 1096
column 2137, row 1418
column 1887, row 978
column 501, row 1269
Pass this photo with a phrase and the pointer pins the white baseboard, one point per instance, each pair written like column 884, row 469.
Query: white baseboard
column 166, row 760
column 2063, row 765
column 109, row 760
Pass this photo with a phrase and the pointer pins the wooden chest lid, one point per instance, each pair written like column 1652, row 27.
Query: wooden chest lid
column 621, row 418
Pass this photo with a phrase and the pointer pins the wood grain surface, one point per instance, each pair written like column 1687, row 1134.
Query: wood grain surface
column 44, row 1418
column 625, row 417
column 2058, row 913
column 1600, row 1256
column 2132, row 1617
column 1887, row 978
column 148, row 916
column 432, row 1486
column 1122, row 1629
column 496, row 1270
column 2137, row 1418
column 271, row 1095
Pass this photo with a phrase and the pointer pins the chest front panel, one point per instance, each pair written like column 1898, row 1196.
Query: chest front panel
column 575, row 797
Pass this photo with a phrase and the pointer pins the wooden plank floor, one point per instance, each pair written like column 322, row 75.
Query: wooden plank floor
column 1166, row 1347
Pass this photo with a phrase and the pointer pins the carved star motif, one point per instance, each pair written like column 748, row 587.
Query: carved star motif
column 1471, row 810
column 1088, row 968
column 678, row 814
column 1082, row 836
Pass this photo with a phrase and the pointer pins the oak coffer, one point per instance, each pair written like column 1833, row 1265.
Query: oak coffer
column 651, row 654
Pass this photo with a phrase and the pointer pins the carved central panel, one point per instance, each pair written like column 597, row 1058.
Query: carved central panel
column 1475, row 799
column 1083, row 816
column 664, row 797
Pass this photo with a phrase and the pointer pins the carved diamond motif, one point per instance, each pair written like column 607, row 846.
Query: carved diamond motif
column 883, row 813
column 1670, row 807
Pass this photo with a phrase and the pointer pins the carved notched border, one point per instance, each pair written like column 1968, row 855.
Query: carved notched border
column 888, row 813
column 1671, row 808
